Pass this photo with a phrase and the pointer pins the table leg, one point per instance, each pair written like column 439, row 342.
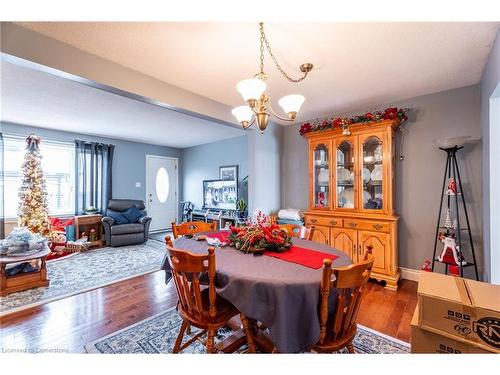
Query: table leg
column 3, row 277
column 43, row 269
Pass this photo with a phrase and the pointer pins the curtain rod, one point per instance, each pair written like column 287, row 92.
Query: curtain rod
column 23, row 136
column 51, row 140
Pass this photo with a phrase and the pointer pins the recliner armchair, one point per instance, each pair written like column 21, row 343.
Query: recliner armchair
column 125, row 234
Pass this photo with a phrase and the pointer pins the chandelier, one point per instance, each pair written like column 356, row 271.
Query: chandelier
column 252, row 90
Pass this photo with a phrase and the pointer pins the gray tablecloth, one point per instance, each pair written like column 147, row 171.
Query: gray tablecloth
column 282, row 295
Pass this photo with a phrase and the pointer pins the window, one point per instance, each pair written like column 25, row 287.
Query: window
column 58, row 164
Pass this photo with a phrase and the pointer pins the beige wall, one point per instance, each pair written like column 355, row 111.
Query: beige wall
column 419, row 176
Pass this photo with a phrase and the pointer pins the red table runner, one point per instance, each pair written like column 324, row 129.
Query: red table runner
column 299, row 255
column 304, row 257
column 222, row 235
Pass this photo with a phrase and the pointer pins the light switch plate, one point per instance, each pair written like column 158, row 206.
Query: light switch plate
column 137, row 184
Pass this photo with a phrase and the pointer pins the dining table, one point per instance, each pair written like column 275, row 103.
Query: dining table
column 284, row 296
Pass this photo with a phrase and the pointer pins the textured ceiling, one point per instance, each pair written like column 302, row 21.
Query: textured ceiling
column 40, row 99
column 356, row 64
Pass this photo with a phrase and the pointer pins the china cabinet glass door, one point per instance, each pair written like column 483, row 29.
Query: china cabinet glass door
column 321, row 174
column 372, row 173
column 345, row 180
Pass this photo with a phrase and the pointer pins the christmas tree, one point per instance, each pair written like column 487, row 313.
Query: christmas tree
column 33, row 209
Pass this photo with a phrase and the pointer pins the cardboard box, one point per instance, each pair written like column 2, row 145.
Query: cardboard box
column 423, row 341
column 460, row 309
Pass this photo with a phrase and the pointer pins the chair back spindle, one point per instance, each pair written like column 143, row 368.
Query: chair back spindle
column 186, row 269
column 192, row 227
column 339, row 326
column 298, row 231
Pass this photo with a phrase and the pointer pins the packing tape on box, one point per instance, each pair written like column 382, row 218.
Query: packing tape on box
column 462, row 291
column 467, row 307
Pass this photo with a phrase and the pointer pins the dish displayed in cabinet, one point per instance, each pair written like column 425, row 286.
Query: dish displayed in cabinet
column 343, row 175
column 346, row 198
column 377, row 173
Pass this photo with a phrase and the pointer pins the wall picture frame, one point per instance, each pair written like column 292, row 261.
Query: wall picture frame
column 228, row 172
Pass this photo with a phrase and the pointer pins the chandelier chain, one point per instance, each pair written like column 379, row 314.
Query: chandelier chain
column 263, row 40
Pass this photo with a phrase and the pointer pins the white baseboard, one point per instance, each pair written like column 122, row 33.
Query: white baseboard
column 409, row 274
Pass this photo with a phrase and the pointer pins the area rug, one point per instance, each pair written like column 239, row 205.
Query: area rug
column 160, row 236
column 86, row 271
column 157, row 335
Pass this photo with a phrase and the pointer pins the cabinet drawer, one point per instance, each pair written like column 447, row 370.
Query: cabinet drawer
column 366, row 225
column 322, row 220
column 88, row 220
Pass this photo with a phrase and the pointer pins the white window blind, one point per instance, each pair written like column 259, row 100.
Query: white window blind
column 58, row 164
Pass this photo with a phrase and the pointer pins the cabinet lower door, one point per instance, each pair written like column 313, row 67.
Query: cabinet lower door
column 321, row 234
column 381, row 249
column 344, row 240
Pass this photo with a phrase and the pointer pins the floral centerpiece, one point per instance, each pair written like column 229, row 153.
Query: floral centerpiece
column 260, row 236
column 390, row 113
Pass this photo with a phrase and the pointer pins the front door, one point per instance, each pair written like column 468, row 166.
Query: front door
column 161, row 191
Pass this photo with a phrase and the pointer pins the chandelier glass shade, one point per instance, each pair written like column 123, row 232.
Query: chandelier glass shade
column 252, row 90
column 243, row 113
column 291, row 103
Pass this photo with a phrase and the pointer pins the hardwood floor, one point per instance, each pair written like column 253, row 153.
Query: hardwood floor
column 70, row 323
column 387, row 311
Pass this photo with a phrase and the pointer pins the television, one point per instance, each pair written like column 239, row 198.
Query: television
column 220, row 194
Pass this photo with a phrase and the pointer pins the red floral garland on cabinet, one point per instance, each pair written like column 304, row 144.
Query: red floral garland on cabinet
column 390, row 113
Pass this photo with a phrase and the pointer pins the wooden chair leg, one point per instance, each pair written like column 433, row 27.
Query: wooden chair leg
column 350, row 348
column 178, row 341
column 248, row 333
column 188, row 329
column 210, row 341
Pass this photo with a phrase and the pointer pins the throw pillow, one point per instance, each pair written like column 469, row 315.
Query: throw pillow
column 118, row 217
column 133, row 214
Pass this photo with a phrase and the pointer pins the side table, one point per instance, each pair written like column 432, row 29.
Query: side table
column 23, row 281
column 85, row 223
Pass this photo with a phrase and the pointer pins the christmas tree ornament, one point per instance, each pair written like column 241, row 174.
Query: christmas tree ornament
column 426, row 266
column 33, row 207
column 451, row 253
column 452, row 187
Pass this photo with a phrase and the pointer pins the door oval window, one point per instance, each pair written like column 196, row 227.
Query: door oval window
column 162, row 185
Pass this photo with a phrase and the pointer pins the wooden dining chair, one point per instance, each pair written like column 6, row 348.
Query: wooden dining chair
column 299, row 231
column 338, row 327
column 204, row 309
column 192, row 227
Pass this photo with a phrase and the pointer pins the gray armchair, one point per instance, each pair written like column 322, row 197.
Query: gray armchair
column 125, row 234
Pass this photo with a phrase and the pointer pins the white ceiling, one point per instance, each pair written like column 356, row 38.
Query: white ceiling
column 40, row 99
column 357, row 65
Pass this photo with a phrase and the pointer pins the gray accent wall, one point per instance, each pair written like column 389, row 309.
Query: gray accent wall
column 491, row 142
column 202, row 163
column 265, row 153
column 129, row 161
column 419, row 177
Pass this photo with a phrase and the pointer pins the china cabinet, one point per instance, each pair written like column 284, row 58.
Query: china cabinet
column 352, row 193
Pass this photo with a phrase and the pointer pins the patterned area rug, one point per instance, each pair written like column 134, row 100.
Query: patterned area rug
column 87, row 271
column 158, row 333
column 160, row 236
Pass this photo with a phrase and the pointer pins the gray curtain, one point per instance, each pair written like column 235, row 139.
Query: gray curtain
column 2, row 221
column 93, row 175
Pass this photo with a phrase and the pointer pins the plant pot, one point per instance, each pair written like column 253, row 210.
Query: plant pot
column 242, row 214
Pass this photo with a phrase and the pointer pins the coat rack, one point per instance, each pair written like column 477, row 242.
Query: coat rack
column 450, row 232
